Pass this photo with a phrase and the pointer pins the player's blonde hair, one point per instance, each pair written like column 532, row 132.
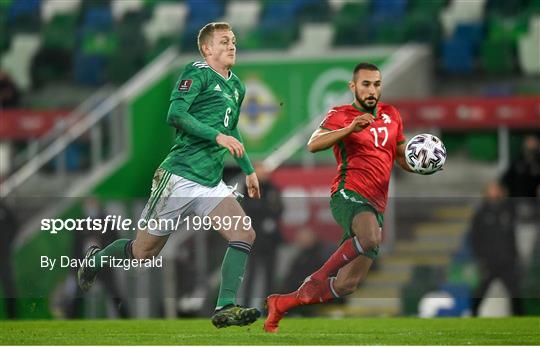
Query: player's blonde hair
column 207, row 32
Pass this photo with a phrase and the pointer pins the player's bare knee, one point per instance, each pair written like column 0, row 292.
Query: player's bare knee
column 370, row 240
column 143, row 253
column 247, row 236
column 367, row 231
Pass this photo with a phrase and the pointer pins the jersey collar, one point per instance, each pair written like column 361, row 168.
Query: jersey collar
column 217, row 73
column 373, row 112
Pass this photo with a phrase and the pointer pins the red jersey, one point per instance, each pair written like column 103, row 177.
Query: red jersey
column 365, row 158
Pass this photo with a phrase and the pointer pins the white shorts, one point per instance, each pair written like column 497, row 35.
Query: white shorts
column 174, row 198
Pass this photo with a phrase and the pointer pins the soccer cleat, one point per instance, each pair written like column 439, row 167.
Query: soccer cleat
column 85, row 275
column 271, row 324
column 235, row 315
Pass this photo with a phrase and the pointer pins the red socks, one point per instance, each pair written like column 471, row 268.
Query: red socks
column 347, row 252
column 319, row 288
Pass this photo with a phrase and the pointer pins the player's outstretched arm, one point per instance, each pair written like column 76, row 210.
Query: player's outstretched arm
column 400, row 157
column 322, row 139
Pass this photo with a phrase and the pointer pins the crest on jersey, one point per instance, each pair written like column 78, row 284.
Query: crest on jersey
column 259, row 109
column 386, row 118
column 184, row 85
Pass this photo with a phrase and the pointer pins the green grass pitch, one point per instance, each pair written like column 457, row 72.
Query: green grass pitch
column 294, row 331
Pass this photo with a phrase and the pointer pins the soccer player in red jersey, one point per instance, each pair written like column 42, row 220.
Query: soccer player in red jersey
column 367, row 137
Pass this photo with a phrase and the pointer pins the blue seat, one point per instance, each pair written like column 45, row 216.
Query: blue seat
column 89, row 69
column 389, row 8
column 470, row 32
column 457, row 56
column 98, row 19
column 204, row 11
column 24, row 8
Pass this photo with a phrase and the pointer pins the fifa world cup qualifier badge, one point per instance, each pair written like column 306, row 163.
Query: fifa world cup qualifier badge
column 184, row 85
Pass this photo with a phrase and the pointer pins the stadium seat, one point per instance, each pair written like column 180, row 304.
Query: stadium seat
column 24, row 7
column 242, row 15
column 419, row 26
column 314, row 38
column 89, row 69
column 503, row 7
column 497, row 57
column 17, row 60
column 51, row 64
column 528, row 52
column 457, row 57
column 386, row 31
column 99, row 43
column 4, row 34
column 52, row 8
column 167, row 19
column 386, row 21
column 278, row 26
column 97, row 19
column 121, row 7
column 162, row 43
column 200, row 13
column 131, row 50
column 54, row 32
column 24, row 16
column 315, row 11
column 461, row 12
column 389, row 9
column 433, row 7
column 469, row 33
column 347, row 23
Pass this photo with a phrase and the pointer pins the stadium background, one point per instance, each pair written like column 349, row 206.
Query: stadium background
column 94, row 77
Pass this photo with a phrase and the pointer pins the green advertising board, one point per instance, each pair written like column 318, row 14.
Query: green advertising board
column 284, row 94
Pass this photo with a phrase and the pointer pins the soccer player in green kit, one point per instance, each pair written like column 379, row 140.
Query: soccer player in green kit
column 204, row 109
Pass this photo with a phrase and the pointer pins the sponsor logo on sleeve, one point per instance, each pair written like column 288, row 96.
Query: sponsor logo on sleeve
column 184, row 85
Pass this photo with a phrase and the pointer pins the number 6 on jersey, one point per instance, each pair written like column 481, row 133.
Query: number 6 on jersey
column 227, row 117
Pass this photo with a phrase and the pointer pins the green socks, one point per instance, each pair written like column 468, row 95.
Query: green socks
column 232, row 272
column 119, row 249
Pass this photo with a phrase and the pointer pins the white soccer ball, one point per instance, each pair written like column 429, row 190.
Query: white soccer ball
column 425, row 154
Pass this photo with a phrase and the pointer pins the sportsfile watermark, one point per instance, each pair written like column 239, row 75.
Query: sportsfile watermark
column 119, row 223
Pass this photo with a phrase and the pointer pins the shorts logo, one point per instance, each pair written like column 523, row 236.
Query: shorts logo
column 184, row 85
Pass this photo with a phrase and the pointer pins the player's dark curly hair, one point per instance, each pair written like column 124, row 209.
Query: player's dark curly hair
column 365, row 66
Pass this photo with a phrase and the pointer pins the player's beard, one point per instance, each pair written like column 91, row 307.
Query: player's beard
column 366, row 106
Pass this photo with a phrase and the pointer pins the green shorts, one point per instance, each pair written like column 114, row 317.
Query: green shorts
column 345, row 204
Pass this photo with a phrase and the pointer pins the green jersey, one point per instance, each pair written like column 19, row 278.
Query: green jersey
column 202, row 99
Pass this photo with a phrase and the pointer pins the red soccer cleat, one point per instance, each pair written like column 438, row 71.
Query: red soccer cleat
column 273, row 304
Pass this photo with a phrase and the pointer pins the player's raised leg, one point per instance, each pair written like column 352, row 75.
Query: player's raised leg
column 367, row 237
column 240, row 238
column 321, row 287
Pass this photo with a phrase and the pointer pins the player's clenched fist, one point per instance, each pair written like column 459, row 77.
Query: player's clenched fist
column 360, row 122
column 232, row 144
